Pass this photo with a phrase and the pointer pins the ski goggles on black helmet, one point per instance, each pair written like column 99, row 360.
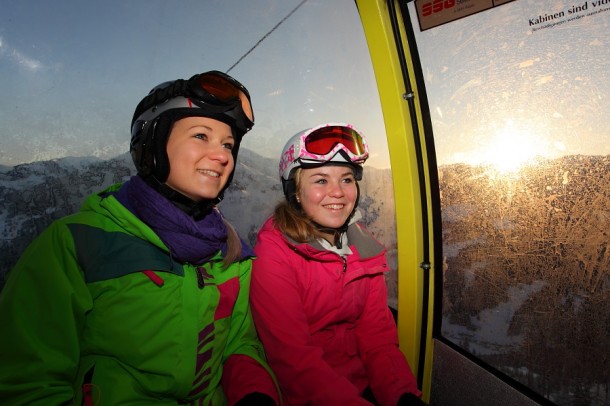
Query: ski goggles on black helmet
column 217, row 89
column 331, row 142
column 214, row 92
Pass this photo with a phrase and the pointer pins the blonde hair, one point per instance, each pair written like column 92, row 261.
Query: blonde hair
column 234, row 246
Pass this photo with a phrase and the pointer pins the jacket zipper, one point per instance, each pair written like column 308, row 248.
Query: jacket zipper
column 87, row 388
column 200, row 280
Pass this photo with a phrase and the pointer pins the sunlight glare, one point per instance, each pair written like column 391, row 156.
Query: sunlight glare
column 510, row 148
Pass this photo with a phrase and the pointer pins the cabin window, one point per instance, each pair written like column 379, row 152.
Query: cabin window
column 72, row 74
column 520, row 111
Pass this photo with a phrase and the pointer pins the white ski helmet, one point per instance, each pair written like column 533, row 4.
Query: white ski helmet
column 339, row 143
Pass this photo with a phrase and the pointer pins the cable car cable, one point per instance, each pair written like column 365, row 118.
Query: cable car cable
column 265, row 36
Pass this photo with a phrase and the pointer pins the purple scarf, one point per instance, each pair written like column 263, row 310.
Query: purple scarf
column 188, row 240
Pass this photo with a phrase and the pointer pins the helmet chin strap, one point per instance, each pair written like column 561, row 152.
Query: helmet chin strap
column 197, row 210
column 336, row 232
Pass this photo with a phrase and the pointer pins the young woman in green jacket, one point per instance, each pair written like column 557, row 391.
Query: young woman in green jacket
column 142, row 297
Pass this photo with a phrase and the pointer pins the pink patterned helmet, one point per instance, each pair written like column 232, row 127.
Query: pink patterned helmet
column 339, row 143
column 330, row 142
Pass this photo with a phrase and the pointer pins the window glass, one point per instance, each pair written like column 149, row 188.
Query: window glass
column 72, row 73
column 519, row 105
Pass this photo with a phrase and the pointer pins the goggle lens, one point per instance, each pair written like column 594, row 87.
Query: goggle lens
column 226, row 89
column 324, row 140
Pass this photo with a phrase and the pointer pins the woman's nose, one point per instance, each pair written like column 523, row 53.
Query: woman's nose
column 221, row 154
column 336, row 190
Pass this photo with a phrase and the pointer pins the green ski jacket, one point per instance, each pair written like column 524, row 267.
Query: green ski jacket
column 97, row 312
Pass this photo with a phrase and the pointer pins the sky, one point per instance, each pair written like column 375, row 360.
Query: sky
column 504, row 91
column 499, row 89
column 72, row 72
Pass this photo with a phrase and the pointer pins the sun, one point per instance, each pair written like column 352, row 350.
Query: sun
column 510, row 148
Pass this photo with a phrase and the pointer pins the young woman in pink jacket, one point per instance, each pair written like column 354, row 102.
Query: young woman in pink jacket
column 318, row 291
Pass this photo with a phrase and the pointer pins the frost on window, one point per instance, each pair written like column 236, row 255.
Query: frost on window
column 70, row 85
column 520, row 114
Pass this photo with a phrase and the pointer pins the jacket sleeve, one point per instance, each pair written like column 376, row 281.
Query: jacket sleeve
column 42, row 312
column 387, row 368
column 304, row 376
column 245, row 368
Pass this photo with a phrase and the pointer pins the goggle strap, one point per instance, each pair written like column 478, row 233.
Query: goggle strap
column 158, row 96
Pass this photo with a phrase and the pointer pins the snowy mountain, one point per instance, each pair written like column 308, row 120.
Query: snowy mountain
column 33, row 195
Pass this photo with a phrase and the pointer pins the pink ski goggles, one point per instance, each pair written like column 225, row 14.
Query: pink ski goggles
column 321, row 144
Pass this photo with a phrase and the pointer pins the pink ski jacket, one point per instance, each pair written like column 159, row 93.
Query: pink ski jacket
column 324, row 320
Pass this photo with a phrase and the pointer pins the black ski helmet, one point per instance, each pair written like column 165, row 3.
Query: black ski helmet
column 211, row 94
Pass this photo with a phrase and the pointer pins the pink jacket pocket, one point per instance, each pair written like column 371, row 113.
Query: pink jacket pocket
column 228, row 296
